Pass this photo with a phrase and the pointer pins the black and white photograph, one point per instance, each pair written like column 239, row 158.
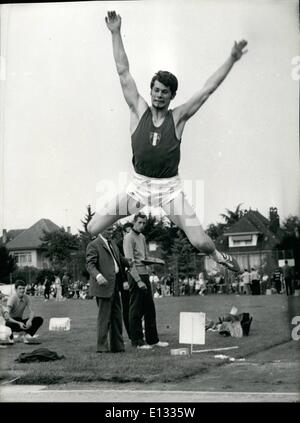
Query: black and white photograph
column 150, row 204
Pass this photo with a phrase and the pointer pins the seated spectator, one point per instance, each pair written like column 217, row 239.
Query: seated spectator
column 35, row 289
column 76, row 289
column 83, row 293
column 16, row 305
column 30, row 289
column 6, row 335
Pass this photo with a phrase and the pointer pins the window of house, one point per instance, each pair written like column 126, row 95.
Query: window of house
column 23, row 258
column 242, row 240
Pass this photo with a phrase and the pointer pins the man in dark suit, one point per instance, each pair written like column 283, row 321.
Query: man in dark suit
column 107, row 272
column 124, row 287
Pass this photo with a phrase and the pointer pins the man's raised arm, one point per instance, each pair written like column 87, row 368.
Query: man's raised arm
column 131, row 94
column 188, row 109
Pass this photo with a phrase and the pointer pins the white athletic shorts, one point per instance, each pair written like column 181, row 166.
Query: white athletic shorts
column 154, row 192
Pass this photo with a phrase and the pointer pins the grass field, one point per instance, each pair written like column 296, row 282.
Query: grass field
column 271, row 326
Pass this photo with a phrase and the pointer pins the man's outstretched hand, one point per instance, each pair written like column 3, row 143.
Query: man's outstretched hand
column 113, row 21
column 238, row 49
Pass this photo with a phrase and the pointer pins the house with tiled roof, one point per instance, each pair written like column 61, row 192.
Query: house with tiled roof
column 253, row 239
column 25, row 245
column 10, row 235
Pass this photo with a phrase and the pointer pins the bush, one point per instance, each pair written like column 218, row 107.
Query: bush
column 45, row 273
column 27, row 274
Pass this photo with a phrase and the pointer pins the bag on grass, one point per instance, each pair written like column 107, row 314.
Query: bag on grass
column 245, row 320
column 233, row 329
column 38, row 355
column 236, row 326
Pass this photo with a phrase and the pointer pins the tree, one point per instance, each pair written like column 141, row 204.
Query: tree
column 84, row 236
column 27, row 274
column 215, row 230
column 45, row 273
column 291, row 238
column 58, row 247
column 87, row 218
column 77, row 264
column 231, row 217
column 184, row 254
column 291, row 226
column 163, row 232
column 7, row 264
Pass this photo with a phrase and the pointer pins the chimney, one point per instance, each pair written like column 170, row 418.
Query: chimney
column 4, row 236
column 69, row 229
column 274, row 219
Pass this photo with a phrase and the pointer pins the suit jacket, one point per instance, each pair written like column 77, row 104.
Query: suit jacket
column 99, row 260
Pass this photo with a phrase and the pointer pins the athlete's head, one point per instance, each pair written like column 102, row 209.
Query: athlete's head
column 139, row 222
column 163, row 89
column 167, row 79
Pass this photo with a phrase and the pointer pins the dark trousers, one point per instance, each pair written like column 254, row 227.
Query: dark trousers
column 36, row 324
column 255, row 287
column 142, row 305
column 125, row 297
column 288, row 286
column 278, row 286
column 109, row 323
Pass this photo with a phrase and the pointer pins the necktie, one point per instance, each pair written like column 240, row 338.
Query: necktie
column 113, row 254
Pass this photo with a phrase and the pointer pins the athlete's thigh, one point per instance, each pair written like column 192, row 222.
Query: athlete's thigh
column 120, row 206
column 184, row 216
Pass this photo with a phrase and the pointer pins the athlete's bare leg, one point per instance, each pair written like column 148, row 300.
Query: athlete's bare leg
column 121, row 206
column 183, row 215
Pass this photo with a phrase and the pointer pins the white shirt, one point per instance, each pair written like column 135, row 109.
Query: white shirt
column 115, row 263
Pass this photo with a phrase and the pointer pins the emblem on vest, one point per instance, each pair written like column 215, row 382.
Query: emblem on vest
column 154, row 138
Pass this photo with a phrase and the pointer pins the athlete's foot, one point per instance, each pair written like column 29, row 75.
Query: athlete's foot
column 229, row 262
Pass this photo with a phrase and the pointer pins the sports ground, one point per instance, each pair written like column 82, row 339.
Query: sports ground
column 267, row 361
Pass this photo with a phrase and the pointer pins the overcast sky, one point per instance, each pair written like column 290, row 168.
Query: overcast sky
column 65, row 124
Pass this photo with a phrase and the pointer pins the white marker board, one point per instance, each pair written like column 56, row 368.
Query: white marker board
column 192, row 328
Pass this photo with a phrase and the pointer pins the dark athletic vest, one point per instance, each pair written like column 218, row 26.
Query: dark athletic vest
column 156, row 150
